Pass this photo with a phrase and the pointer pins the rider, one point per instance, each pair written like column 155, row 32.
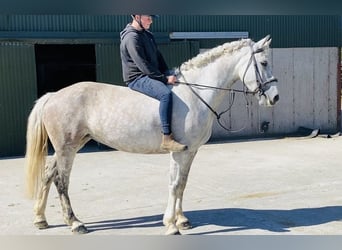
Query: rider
column 144, row 70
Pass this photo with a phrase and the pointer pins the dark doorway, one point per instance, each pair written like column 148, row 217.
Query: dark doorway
column 60, row 65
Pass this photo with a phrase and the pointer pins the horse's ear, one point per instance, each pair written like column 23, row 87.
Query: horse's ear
column 265, row 42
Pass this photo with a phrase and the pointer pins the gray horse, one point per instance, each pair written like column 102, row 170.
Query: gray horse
column 129, row 121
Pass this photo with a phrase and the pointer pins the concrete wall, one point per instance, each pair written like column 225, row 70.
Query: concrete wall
column 309, row 88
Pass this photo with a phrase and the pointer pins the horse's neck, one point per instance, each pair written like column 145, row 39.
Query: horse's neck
column 222, row 74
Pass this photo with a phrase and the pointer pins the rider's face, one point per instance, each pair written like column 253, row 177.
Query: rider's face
column 146, row 21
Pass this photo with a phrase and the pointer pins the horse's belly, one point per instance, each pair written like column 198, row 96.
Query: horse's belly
column 139, row 133
column 134, row 144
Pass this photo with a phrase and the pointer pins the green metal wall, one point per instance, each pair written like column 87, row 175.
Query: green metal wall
column 17, row 94
column 175, row 53
column 286, row 31
column 108, row 63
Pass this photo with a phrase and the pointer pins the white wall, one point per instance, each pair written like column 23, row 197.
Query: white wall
column 309, row 96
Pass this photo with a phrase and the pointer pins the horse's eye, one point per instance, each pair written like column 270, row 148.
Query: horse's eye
column 264, row 63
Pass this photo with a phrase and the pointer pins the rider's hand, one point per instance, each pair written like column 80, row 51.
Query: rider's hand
column 171, row 79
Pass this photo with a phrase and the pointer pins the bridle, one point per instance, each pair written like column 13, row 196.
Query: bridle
column 262, row 86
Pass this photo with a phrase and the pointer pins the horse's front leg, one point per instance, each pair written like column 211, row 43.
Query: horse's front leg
column 174, row 218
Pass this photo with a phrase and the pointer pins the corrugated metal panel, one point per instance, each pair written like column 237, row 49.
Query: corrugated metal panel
column 17, row 94
column 184, row 51
column 108, row 63
column 286, row 31
column 66, row 23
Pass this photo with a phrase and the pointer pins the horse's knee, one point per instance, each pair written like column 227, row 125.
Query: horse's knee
column 61, row 183
column 51, row 166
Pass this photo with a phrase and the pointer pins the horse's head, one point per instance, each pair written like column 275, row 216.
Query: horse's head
column 256, row 74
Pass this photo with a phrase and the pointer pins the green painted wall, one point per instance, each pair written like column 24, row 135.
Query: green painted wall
column 17, row 95
column 287, row 30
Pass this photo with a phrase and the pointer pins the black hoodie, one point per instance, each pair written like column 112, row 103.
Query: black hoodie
column 140, row 55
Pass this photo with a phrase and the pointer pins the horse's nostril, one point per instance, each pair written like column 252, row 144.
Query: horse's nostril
column 276, row 98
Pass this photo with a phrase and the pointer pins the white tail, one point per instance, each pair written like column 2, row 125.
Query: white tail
column 36, row 148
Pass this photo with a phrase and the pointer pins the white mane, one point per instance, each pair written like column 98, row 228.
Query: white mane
column 209, row 56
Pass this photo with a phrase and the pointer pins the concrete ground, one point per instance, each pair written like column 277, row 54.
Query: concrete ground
column 252, row 187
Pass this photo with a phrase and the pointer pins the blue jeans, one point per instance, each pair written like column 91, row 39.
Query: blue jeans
column 157, row 90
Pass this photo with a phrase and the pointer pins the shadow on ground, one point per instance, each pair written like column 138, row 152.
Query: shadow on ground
column 235, row 219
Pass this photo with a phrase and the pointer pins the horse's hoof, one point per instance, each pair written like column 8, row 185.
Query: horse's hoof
column 172, row 230
column 41, row 225
column 184, row 225
column 80, row 230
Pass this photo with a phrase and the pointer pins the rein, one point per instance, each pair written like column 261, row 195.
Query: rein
column 217, row 115
column 203, row 86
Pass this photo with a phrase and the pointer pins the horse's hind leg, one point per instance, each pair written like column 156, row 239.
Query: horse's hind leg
column 43, row 192
column 174, row 218
column 61, row 180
